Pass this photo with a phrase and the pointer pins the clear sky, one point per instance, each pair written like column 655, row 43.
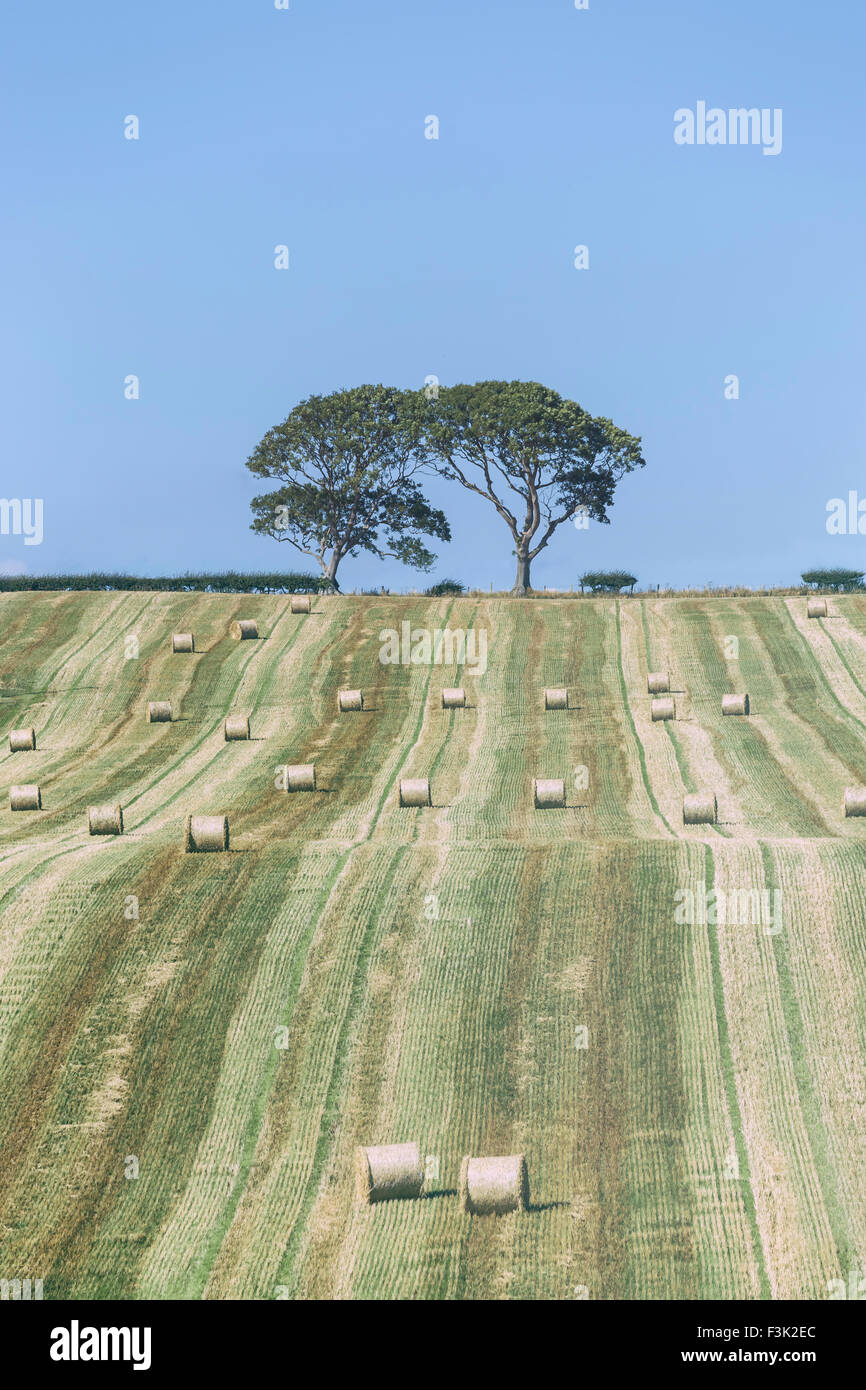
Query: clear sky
column 412, row 257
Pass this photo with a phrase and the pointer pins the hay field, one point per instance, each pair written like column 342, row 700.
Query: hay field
column 183, row 1090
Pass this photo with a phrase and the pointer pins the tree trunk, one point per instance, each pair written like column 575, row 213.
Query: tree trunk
column 330, row 573
column 521, row 583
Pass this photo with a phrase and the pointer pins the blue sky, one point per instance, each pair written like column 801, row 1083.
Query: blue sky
column 451, row 257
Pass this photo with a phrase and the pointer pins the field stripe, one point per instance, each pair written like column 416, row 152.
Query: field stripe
column 734, row 1111
column 630, row 717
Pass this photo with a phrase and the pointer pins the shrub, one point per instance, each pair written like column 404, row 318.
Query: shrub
column 230, row 582
column 445, row 586
column 839, row 580
column 607, row 581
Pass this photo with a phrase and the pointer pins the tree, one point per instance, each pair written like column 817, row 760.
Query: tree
column 607, row 581
column 836, row 579
column 346, row 464
column 537, row 457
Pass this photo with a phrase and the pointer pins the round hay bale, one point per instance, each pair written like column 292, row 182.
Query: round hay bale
column 21, row 740
column 387, row 1172
column 454, row 697
column 548, row 792
column 236, row 726
column 854, row 801
column 105, row 820
column 349, row 700
column 206, row 834
column 700, row 808
column 300, row 603
column 301, row 777
column 556, row 699
column 244, row 629
column 663, row 709
column 159, row 712
column 25, row 798
column 494, row 1185
column 816, row 608
column 735, row 704
column 182, row 642
column 658, row 682
column 415, row 791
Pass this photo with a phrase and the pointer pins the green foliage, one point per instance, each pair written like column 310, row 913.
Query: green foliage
column 345, row 465
column 229, row 582
column 537, row 457
column 838, row 580
column 607, row 581
column 444, row 587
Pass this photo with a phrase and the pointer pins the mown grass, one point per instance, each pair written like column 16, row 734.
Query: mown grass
column 154, row 1037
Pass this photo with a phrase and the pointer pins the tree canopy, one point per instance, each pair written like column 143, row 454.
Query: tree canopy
column 607, row 581
column 537, row 457
column 346, row 465
column 837, row 579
